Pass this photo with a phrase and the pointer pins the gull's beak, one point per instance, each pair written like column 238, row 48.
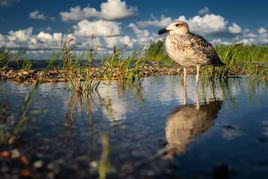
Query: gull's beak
column 162, row 31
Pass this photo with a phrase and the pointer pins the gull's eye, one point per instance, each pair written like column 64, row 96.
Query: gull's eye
column 177, row 25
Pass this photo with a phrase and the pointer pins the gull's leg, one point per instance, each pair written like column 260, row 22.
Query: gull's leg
column 197, row 99
column 185, row 76
column 197, row 75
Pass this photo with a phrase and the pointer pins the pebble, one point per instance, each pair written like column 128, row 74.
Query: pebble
column 15, row 153
column 38, row 164
column 51, row 166
column 93, row 164
column 4, row 169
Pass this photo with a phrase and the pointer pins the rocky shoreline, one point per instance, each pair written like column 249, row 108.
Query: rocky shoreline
column 57, row 75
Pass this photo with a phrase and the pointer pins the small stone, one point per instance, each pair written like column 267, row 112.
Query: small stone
column 51, row 166
column 150, row 173
column 4, row 169
column 26, row 173
column 5, row 154
column 11, row 140
column 25, row 160
column 50, row 175
column 93, row 164
column 25, row 73
column 15, row 153
column 38, row 164
column 10, row 71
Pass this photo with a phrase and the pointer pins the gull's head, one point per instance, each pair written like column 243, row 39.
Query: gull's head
column 178, row 27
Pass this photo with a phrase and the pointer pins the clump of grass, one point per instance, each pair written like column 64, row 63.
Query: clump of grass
column 4, row 57
column 129, row 67
column 157, row 52
column 74, row 68
column 26, row 64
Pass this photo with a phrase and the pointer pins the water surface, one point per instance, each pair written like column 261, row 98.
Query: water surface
column 225, row 134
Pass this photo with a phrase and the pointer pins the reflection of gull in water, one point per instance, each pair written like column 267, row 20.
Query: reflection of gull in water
column 187, row 122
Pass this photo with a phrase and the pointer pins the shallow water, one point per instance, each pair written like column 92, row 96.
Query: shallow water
column 225, row 135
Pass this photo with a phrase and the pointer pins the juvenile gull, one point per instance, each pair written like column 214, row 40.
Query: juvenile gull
column 188, row 49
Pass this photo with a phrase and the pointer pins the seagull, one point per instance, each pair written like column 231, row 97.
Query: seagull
column 188, row 49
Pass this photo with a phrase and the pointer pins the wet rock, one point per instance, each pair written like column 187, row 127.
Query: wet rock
column 24, row 160
column 5, row 154
column 4, row 169
column 15, row 153
column 25, row 73
column 10, row 72
column 38, row 164
column 26, row 173
column 114, row 75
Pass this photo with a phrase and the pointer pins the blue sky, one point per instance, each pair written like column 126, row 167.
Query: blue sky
column 37, row 25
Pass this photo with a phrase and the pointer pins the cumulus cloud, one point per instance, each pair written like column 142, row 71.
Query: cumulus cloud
column 25, row 39
column 98, row 28
column 219, row 41
column 52, row 19
column 209, row 25
column 107, row 12
column 235, row 28
column 262, row 30
column 164, row 22
column 248, row 34
column 36, row 15
column 212, row 25
column 139, row 33
column 153, row 17
column 7, row 3
column 46, row 29
column 204, row 11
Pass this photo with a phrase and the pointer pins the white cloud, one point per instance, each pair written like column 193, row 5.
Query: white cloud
column 248, row 34
column 208, row 25
column 2, row 19
column 36, row 15
column 164, row 22
column 7, row 3
column 115, row 9
column 235, row 28
column 52, row 19
column 262, row 30
column 111, row 10
column 153, row 17
column 204, row 11
column 98, row 28
column 46, row 29
column 211, row 25
column 118, row 41
column 20, row 35
column 140, row 33
column 25, row 39
column 219, row 41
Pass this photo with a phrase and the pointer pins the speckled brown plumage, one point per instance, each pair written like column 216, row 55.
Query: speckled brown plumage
column 191, row 50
